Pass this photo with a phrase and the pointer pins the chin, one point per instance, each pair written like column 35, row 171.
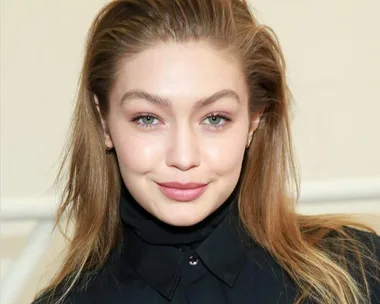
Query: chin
column 184, row 222
column 182, row 218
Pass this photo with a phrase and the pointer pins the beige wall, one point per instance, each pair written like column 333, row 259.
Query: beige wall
column 332, row 50
column 42, row 44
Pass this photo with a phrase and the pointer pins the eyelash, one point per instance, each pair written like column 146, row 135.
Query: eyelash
column 136, row 118
column 219, row 115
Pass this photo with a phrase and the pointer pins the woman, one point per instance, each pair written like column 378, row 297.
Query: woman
column 181, row 179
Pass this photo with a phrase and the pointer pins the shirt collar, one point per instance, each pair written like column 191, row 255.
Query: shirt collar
column 222, row 252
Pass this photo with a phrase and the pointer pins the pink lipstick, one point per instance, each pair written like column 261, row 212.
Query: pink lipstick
column 182, row 192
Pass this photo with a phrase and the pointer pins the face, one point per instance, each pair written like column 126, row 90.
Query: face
column 179, row 123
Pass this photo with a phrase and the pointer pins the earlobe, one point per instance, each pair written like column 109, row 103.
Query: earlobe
column 255, row 120
column 249, row 141
column 107, row 136
column 250, row 135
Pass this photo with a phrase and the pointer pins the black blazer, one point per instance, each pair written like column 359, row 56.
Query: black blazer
column 227, row 267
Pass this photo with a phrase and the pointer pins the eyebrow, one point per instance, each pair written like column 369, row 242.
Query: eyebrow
column 164, row 102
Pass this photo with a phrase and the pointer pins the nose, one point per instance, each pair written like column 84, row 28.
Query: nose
column 183, row 152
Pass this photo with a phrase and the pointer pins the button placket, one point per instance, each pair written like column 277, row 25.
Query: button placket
column 192, row 268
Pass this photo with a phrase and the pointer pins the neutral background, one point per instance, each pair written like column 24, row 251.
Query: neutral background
column 332, row 49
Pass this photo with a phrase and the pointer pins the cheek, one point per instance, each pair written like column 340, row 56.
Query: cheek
column 136, row 158
column 225, row 155
column 137, row 154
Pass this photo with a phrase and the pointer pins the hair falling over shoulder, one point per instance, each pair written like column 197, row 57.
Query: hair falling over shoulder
column 269, row 184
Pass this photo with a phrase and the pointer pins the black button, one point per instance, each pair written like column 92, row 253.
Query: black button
column 193, row 260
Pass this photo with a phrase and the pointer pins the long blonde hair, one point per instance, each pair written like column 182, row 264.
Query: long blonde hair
column 269, row 184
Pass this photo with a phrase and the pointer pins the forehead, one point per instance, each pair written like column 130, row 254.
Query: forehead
column 180, row 71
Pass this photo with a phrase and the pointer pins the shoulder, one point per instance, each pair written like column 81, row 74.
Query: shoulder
column 59, row 294
column 50, row 296
column 371, row 243
column 81, row 293
column 353, row 241
column 368, row 241
column 367, row 263
column 88, row 289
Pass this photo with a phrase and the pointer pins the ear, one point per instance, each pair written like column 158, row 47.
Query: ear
column 107, row 136
column 254, row 124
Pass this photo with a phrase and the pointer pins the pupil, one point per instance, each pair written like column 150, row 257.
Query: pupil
column 148, row 119
column 215, row 119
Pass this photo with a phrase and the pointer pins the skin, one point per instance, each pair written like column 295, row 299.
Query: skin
column 179, row 141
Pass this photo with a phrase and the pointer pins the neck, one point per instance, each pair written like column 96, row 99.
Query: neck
column 156, row 232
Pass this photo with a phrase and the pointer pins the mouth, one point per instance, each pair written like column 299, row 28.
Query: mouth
column 182, row 192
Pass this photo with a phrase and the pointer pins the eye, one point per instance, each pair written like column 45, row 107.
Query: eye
column 216, row 120
column 146, row 120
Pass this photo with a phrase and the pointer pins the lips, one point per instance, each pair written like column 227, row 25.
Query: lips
column 182, row 192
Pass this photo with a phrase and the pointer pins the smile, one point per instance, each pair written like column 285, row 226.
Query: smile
column 182, row 192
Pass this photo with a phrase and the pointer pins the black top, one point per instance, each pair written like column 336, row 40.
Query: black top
column 156, row 232
column 221, row 266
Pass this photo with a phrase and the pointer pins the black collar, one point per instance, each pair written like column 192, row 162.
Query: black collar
column 222, row 252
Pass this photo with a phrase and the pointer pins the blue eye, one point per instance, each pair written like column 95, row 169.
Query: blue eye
column 146, row 121
column 216, row 121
